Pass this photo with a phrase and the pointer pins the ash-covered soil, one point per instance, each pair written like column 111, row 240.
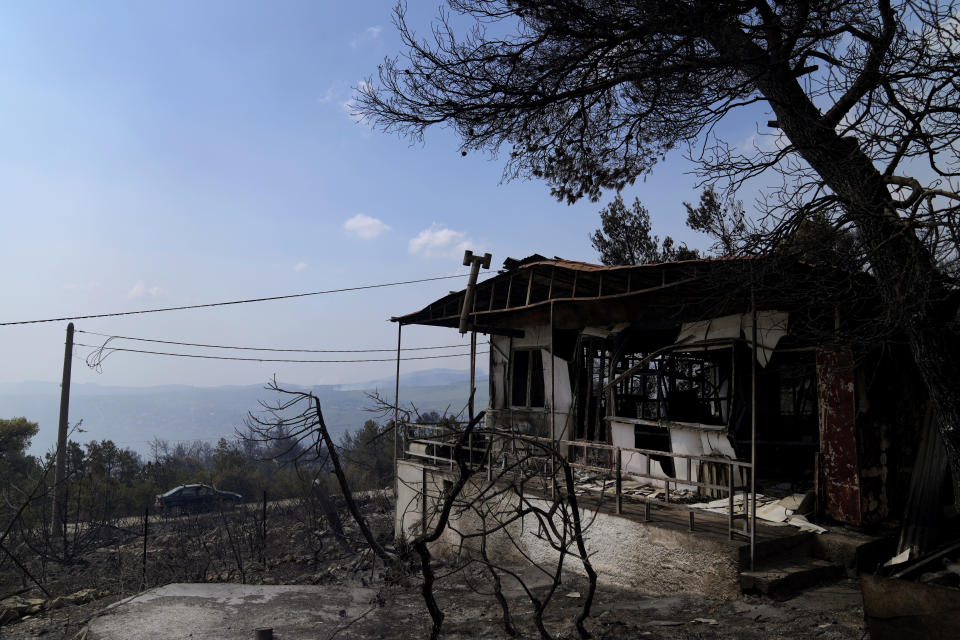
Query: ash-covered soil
column 300, row 548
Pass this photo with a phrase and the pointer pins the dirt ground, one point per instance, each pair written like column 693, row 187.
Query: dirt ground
column 298, row 554
column 830, row 612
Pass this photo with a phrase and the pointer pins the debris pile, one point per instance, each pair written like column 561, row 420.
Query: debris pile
column 15, row 607
column 791, row 510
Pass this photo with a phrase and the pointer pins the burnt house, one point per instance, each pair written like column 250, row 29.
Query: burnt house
column 706, row 377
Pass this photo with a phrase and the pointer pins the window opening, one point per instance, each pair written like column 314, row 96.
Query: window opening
column 527, row 387
column 589, row 377
column 788, row 426
column 690, row 387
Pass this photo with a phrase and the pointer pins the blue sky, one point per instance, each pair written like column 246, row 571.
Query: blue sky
column 160, row 154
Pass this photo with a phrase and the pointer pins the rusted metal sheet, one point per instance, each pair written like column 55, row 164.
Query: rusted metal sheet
column 838, row 435
column 903, row 610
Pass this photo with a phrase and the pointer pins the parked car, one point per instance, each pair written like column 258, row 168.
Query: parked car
column 197, row 497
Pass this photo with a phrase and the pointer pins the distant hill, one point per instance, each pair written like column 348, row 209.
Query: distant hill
column 134, row 416
column 427, row 378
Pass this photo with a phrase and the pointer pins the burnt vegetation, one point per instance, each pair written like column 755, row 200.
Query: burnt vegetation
column 291, row 526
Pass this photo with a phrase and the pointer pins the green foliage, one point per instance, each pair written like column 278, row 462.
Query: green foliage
column 234, row 470
column 106, row 481
column 625, row 237
column 15, row 436
column 723, row 221
column 368, row 456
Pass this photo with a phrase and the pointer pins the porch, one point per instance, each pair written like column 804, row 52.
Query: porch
column 634, row 538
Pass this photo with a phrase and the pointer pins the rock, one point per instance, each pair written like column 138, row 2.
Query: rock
column 8, row 615
column 82, row 597
column 269, row 580
column 56, row 603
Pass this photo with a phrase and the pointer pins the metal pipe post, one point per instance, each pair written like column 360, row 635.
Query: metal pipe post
column 553, row 413
column 396, row 405
column 473, row 370
column 753, row 426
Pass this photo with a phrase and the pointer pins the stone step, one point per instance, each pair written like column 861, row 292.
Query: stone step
column 799, row 545
column 784, row 579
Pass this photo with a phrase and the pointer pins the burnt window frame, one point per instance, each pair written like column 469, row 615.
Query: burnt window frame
column 665, row 372
column 532, row 381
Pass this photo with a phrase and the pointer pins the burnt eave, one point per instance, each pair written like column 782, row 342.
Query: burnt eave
column 581, row 294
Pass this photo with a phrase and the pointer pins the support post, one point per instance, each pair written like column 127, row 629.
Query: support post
column 619, row 483
column 396, row 408
column 753, row 427
column 146, row 532
column 423, row 501
column 730, row 492
column 473, row 371
column 489, row 460
column 60, row 485
column 553, row 413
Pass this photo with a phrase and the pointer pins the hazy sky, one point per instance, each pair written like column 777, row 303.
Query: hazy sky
column 172, row 153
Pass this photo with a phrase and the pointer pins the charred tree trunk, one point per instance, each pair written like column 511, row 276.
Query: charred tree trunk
column 911, row 287
column 420, row 543
column 345, row 488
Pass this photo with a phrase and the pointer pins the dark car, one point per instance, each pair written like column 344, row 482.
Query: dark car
column 197, row 497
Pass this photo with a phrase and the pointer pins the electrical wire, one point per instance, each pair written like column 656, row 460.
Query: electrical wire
column 220, row 346
column 102, row 352
column 231, row 302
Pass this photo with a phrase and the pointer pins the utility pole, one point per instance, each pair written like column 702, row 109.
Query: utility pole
column 60, row 486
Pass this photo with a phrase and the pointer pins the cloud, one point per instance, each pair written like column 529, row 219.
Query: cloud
column 328, row 96
column 349, row 106
column 439, row 242
column 141, row 290
column 368, row 35
column 364, row 226
column 300, row 266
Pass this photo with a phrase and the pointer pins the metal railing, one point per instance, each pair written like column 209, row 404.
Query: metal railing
column 496, row 451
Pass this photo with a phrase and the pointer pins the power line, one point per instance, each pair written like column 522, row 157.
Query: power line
column 231, row 302
column 220, row 346
column 108, row 350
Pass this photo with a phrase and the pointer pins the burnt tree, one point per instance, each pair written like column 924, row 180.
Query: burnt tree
column 589, row 95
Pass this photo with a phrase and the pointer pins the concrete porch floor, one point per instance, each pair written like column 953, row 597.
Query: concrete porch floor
column 709, row 528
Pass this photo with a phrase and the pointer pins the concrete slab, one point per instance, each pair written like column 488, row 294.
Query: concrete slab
column 218, row 611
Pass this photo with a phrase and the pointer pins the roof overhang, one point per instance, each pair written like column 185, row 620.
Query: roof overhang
column 572, row 295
